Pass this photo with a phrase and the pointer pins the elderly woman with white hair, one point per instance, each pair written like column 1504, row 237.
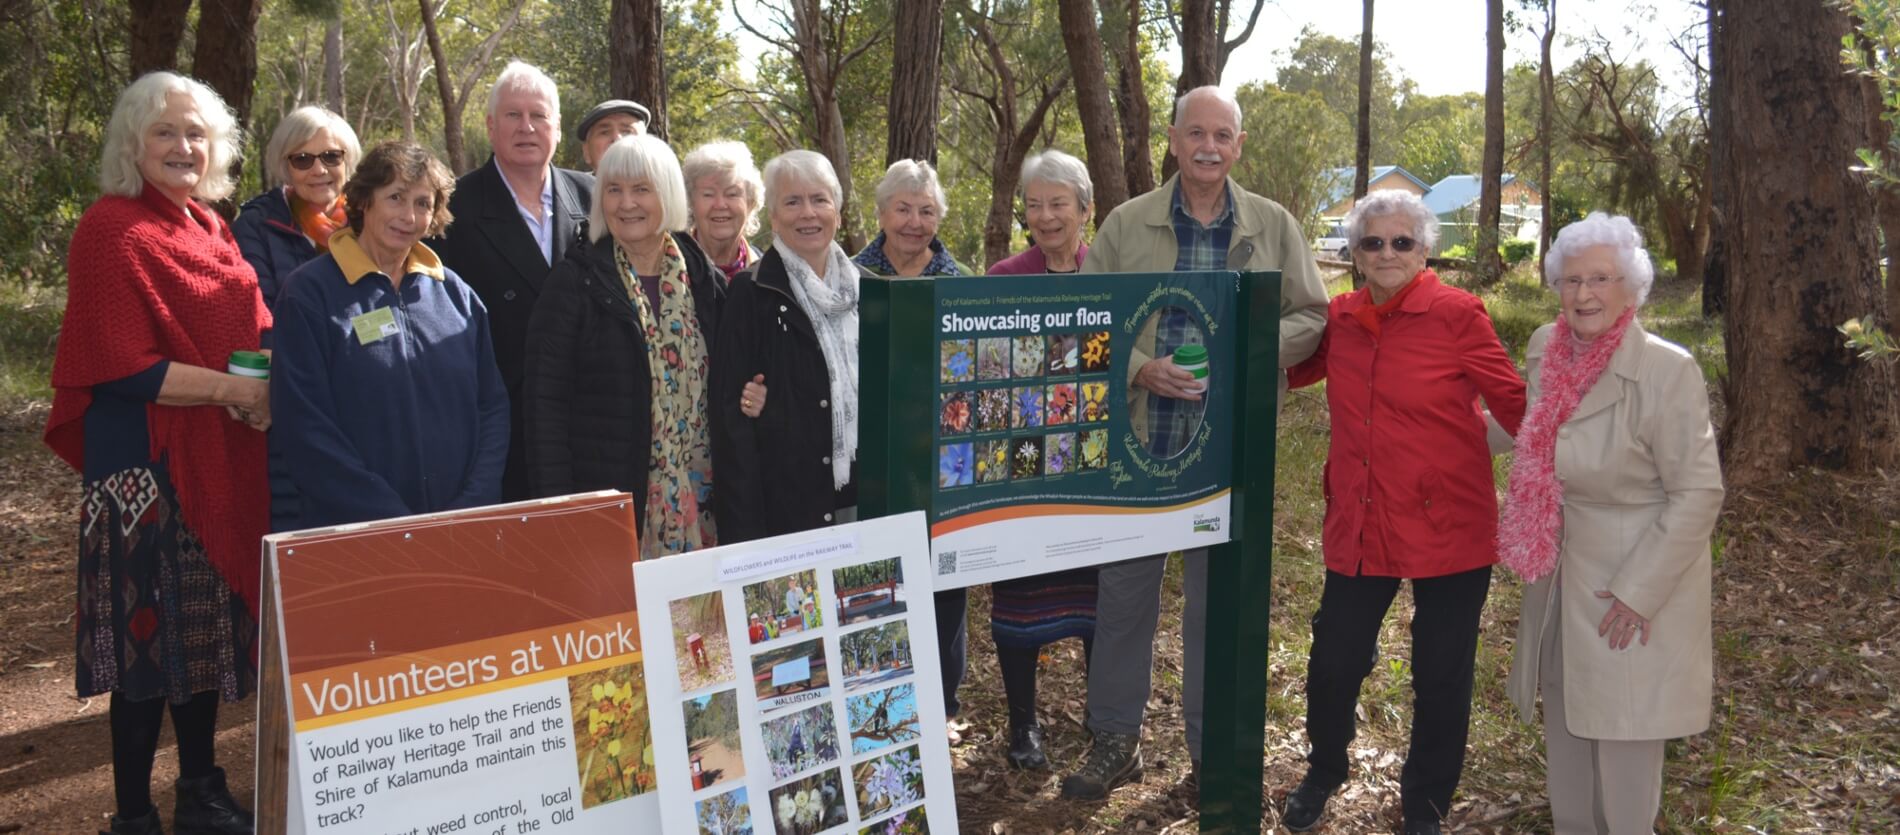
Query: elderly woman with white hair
column 168, row 444
column 1615, row 489
column 726, row 191
column 1058, row 199
column 1409, row 496
column 619, row 355
column 790, row 323
column 910, row 206
column 308, row 159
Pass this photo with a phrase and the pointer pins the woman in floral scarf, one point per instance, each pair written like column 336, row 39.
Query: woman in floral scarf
column 1614, row 493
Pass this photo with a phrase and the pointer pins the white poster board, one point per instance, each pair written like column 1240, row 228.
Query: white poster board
column 798, row 692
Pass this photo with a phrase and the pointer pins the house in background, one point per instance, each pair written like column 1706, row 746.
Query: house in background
column 1455, row 201
column 1338, row 200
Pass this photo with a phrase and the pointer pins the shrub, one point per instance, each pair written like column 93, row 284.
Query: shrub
column 1516, row 251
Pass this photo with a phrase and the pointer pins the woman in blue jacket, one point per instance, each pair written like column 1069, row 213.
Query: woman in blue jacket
column 384, row 389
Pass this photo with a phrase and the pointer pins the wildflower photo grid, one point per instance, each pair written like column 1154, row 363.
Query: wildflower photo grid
column 815, row 757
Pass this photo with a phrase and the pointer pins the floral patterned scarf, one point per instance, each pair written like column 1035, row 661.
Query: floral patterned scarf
column 678, row 516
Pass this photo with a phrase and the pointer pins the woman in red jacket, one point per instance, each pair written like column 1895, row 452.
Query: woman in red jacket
column 1409, row 495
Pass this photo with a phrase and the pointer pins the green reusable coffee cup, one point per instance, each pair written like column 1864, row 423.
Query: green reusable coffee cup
column 253, row 364
column 1192, row 358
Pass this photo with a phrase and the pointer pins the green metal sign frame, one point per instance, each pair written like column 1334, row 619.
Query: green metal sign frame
column 897, row 468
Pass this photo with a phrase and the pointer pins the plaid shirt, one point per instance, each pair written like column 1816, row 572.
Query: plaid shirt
column 1202, row 247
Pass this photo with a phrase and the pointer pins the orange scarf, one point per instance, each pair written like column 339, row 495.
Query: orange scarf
column 317, row 225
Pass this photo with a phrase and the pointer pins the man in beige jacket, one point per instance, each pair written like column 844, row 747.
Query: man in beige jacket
column 1198, row 220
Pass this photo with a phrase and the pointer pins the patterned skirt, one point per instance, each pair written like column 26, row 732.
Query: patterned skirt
column 1029, row 612
column 155, row 619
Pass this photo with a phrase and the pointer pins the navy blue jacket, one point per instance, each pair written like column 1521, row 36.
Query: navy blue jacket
column 412, row 422
column 268, row 236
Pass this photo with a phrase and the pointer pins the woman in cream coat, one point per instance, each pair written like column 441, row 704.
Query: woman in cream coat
column 1613, row 496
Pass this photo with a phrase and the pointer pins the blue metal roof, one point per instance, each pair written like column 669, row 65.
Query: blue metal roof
column 1456, row 192
column 1339, row 181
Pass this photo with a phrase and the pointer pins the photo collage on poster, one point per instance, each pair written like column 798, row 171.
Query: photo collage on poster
column 1016, row 408
column 835, row 714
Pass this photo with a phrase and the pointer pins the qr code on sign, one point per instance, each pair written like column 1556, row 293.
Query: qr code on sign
column 946, row 563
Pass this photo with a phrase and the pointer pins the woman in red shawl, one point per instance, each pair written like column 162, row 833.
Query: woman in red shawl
column 170, row 446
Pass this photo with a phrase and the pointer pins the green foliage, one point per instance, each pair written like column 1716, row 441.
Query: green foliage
column 1292, row 145
column 1517, row 250
column 1873, row 51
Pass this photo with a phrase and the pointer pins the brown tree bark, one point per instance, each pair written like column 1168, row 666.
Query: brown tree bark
column 1099, row 130
column 1715, row 265
column 333, row 64
column 916, row 67
column 636, row 62
column 1800, row 239
column 158, row 27
column 1200, row 58
column 1013, row 135
column 1362, row 148
column 1485, row 247
column 225, row 55
column 1546, row 96
column 445, row 88
column 1131, row 95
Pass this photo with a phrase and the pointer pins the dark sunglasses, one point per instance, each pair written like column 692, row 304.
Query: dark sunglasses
column 1374, row 244
column 302, row 162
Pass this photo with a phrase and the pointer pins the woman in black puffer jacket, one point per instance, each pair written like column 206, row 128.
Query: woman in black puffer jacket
column 618, row 355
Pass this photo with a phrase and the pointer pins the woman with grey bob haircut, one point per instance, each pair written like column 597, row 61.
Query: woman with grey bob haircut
column 726, row 191
column 1393, row 201
column 910, row 206
column 1058, row 199
column 310, row 156
column 1615, row 488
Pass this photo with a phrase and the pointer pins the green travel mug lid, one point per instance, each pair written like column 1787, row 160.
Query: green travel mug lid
column 1190, row 354
column 248, row 364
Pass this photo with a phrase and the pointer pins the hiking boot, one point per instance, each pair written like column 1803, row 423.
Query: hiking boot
column 146, row 824
column 1114, row 759
column 1306, row 805
column 1025, row 747
column 205, row 805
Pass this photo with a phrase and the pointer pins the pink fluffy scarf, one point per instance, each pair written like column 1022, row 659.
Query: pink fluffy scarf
column 1532, row 523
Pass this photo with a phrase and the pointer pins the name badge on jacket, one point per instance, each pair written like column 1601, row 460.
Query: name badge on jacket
column 374, row 326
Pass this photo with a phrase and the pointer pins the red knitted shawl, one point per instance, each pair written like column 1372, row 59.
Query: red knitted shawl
column 146, row 282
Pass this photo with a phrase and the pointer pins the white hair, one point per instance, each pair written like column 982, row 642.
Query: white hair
column 1218, row 94
column 732, row 161
column 807, row 167
column 641, row 158
column 300, row 127
column 139, row 106
column 1055, row 167
column 1601, row 229
column 1392, row 201
column 911, row 175
column 521, row 75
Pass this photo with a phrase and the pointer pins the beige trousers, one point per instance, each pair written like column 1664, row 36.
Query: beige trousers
column 1597, row 786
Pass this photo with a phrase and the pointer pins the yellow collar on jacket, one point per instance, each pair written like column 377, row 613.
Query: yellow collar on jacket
column 356, row 263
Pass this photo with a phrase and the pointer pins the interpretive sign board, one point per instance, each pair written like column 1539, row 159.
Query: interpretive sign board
column 1052, row 452
column 789, row 698
column 477, row 671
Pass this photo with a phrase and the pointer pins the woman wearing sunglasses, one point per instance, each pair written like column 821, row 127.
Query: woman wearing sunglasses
column 309, row 158
column 1409, row 496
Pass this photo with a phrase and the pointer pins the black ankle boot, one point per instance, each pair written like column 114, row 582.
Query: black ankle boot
column 1025, row 747
column 205, row 805
column 146, row 824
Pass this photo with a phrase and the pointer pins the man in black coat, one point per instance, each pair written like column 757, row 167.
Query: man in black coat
column 515, row 218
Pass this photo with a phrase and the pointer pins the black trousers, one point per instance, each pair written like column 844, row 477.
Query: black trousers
column 1444, row 651
column 953, row 642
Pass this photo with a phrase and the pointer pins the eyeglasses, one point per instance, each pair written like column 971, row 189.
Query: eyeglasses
column 1372, row 243
column 302, row 161
column 1574, row 283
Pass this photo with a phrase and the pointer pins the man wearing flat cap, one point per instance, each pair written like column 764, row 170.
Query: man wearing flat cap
column 606, row 123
